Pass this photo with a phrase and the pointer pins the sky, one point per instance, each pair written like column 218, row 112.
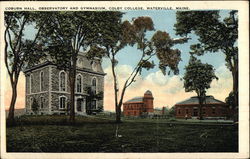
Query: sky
column 167, row 90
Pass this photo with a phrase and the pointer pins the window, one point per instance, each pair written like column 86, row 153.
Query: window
column 179, row 111
column 79, row 83
column 94, row 83
column 62, row 81
column 213, row 110
column 203, row 111
column 79, row 62
column 94, row 65
column 93, row 104
column 62, row 102
column 186, row 111
column 79, row 104
column 195, row 112
column 31, row 83
column 42, row 101
column 41, row 81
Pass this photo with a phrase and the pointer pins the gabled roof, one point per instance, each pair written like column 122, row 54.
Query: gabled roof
column 195, row 100
column 135, row 99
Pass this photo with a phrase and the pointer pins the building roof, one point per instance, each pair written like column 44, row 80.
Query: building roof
column 148, row 92
column 194, row 100
column 50, row 63
column 135, row 99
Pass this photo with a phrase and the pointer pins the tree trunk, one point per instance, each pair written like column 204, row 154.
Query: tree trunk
column 118, row 114
column 235, row 74
column 117, row 106
column 235, row 86
column 72, row 96
column 200, row 103
column 11, row 119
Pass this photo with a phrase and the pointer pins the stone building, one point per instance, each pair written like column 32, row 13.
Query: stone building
column 212, row 108
column 139, row 105
column 49, row 87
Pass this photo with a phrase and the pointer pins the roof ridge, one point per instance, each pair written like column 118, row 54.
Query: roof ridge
column 194, row 100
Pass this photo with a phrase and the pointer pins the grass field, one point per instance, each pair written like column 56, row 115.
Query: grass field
column 52, row 134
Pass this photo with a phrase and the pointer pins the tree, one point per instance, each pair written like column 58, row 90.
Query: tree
column 68, row 33
column 214, row 35
column 92, row 95
column 198, row 77
column 19, row 51
column 230, row 100
column 134, row 33
column 171, row 112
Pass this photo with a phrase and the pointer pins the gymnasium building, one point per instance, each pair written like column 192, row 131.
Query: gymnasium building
column 212, row 108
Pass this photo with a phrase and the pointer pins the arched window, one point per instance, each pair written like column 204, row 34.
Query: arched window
column 94, row 85
column 62, row 102
column 42, row 101
column 80, row 62
column 94, row 65
column 31, row 83
column 62, row 81
column 41, row 81
column 79, row 83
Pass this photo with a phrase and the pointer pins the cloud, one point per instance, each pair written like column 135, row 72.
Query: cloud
column 157, row 78
column 221, row 88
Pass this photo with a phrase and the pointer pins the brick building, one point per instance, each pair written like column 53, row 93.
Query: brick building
column 139, row 105
column 212, row 108
column 49, row 86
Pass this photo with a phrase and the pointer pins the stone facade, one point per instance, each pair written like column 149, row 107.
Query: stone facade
column 49, row 87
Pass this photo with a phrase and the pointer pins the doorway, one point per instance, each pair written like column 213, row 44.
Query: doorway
column 79, row 104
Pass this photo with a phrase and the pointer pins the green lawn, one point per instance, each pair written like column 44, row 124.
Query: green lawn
column 51, row 134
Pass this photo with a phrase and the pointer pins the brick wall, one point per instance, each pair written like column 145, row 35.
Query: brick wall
column 207, row 111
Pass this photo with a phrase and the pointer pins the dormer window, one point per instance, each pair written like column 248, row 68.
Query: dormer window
column 80, row 62
column 94, row 65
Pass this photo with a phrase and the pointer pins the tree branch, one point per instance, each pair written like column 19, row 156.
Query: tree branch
column 6, row 51
column 20, row 33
